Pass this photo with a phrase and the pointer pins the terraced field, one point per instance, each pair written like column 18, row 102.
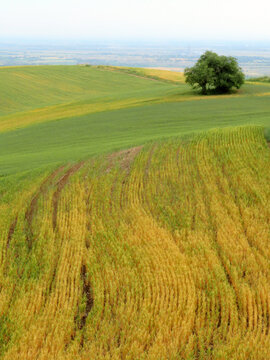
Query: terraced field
column 156, row 252
column 128, row 228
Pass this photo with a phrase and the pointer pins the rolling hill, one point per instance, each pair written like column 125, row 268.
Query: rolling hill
column 51, row 114
column 130, row 228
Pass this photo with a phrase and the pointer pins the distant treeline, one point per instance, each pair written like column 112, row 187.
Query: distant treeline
column 261, row 79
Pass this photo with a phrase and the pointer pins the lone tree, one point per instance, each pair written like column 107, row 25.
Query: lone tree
column 214, row 73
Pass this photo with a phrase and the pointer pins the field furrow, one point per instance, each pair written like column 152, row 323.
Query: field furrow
column 156, row 252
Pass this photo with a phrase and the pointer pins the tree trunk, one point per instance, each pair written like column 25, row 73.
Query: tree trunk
column 204, row 92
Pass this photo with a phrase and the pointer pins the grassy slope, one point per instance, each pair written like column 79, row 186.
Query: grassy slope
column 78, row 137
column 160, row 252
column 64, row 113
column 157, row 252
column 30, row 87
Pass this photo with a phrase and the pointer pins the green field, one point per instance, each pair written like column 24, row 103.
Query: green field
column 134, row 217
column 54, row 114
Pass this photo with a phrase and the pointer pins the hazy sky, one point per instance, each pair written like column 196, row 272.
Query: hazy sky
column 159, row 19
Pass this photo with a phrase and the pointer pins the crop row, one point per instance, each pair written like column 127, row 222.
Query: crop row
column 160, row 252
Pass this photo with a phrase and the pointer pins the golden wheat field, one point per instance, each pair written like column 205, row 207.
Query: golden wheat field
column 155, row 252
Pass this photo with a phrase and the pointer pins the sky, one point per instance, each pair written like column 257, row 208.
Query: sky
column 136, row 19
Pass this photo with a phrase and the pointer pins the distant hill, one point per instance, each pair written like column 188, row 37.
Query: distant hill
column 263, row 79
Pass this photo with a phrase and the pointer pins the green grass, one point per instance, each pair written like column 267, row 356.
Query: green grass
column 267, row 133
column 31, row 87
column 56, row 114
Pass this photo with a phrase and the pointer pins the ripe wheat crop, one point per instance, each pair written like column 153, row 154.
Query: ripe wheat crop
column 156, row 252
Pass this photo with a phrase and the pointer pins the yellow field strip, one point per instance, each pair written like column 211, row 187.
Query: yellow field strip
column 147, row 73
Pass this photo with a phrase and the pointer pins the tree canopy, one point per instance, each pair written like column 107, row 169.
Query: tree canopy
column 214, row 73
